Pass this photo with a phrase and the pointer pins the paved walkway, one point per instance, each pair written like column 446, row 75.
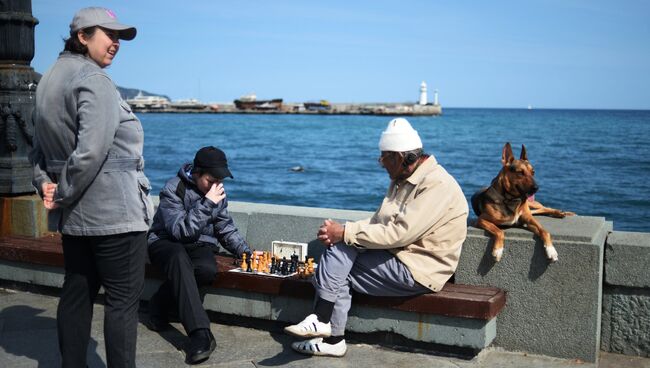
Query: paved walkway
column 28, row 339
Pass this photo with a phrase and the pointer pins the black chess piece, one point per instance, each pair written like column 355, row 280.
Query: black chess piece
column 285, row 267
column 278, row 266
column 273, row 266
column 294, row 263
column 248, row 265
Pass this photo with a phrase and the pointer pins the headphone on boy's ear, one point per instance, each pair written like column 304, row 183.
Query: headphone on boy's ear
column 410, row 158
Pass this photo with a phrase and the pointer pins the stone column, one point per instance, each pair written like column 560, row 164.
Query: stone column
column 17, row 91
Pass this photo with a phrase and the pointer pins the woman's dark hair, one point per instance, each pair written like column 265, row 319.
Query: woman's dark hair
column 72, row 43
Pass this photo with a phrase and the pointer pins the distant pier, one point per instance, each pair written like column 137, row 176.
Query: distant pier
column 249, row 104
column 382, row 109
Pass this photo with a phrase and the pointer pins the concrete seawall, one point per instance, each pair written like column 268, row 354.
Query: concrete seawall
column 626, row 294
column 600, row 282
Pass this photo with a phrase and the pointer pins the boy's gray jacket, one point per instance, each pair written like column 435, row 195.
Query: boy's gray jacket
column 194, row 218
column 87, row 140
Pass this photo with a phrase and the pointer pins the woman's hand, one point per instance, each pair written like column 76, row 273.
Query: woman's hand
column 48, row 190
column 216, row 193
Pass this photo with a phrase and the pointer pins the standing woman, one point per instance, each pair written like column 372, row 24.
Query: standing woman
column 88, row 168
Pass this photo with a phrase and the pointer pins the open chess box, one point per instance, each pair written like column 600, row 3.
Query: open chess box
column 286, row 259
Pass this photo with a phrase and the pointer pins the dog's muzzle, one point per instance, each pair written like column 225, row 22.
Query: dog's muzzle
column 527, row 191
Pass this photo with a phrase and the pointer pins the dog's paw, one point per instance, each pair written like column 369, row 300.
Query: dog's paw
column 497, row 254
column 551, row 253
column 561, row 214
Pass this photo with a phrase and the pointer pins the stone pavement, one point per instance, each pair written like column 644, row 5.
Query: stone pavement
column 28, row 339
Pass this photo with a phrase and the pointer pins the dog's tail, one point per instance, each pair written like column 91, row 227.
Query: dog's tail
column 477, row 200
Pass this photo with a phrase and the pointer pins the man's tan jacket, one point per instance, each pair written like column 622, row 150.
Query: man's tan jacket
column 422, row 221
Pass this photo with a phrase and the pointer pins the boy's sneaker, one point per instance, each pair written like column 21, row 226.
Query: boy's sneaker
column 310, row 327
column 318, row 347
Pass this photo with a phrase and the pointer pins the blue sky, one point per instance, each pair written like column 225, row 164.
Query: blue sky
column 549, row 54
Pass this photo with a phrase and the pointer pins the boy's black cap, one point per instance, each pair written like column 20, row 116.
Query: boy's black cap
column 213, row 161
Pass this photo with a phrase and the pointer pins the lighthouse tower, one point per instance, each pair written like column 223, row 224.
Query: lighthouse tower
column 423, row 94
column 435, row 98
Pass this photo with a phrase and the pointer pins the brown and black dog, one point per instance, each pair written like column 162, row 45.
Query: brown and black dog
column 508, row 201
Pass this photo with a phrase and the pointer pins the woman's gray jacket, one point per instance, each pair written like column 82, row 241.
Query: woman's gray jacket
column 185, row 215
column 87, row 140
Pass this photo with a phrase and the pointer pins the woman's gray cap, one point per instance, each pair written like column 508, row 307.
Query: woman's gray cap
column 102, row 17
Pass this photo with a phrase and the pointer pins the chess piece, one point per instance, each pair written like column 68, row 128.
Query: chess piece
column 278, row 267
column 293, row 265
column 285, row 267
column 260, row 263
column 243, row 262
column 248, row 265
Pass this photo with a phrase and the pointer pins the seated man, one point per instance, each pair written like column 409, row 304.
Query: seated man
column 192, row 219
column 410, row 246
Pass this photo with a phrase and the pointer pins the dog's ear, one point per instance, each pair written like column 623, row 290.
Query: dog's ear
column 506, row 156
column 524, row 154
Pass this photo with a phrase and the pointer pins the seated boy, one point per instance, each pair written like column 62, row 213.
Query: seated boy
column 191, row 220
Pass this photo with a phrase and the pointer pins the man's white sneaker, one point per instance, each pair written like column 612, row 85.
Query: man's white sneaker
column 310, row 327
column 318, row 347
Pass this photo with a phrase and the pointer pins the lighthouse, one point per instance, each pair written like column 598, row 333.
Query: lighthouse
column 435, row 98
column 423, row 94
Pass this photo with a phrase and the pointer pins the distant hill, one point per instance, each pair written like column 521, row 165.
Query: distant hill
column 127, row 93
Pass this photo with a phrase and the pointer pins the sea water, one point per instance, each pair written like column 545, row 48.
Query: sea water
column 592, row 162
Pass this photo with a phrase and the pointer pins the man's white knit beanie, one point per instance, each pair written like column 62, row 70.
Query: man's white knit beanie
column 399, row 136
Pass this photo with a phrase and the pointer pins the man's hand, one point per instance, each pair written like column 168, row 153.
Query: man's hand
column 330, row 233
column 216, row 193
column 48, row 190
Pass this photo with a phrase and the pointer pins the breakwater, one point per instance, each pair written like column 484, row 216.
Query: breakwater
column 379, row 109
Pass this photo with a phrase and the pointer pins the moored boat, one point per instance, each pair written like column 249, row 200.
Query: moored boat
column 322, row 105
column 250, row 102
column 152, row 102
column 188, row 104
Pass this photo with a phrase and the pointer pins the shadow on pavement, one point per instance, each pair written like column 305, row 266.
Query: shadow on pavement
column 172, row 335
column 275, row 331
column 27, row 334
column 286, row 356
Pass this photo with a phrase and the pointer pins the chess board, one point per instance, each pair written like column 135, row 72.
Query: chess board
column 239, row 270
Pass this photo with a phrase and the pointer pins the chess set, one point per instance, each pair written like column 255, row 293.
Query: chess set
column 284, row 260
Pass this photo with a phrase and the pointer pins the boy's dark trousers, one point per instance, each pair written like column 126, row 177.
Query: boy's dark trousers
column 115, row 262
column 187, row 268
